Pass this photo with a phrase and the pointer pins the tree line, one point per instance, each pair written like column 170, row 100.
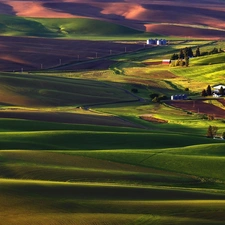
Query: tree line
column 182, row 58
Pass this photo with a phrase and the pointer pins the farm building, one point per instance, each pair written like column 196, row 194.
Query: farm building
column 217, row 88
column 166, row 61
column 179, row 97
column 156, row 42
column 216, row 95
column 151, row 41
column 161, row 42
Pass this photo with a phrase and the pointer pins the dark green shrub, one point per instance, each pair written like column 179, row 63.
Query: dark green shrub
column 153, row 95
column 134, row 90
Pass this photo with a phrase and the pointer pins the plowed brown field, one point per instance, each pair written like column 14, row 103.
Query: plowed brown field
column 23, row 53
column 74, row 118
column 199, row 106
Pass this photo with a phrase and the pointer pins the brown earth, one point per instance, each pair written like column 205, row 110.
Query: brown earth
column 73, row 118
column 152, row 119
column 198, row 106
column 140, row 14
column 222, row 101
column 25, row 54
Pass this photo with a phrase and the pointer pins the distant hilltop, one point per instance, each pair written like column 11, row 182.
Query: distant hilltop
column 169, row 18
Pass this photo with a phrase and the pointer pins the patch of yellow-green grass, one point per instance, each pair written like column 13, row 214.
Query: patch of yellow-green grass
column 34, row 90
column 178, row 120
column 67, row 166
column 215, row 102
column 76, row 28
column 35, row 202
column 204, row 162
column 78, row 140
column 209, row 59
column 200, row 76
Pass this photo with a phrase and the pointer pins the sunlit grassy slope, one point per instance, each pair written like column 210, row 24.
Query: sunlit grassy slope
column 31, row 90
column 209, row 59
column 57, row 173
column 116, row 204
column 112, row 187
column 67, row 28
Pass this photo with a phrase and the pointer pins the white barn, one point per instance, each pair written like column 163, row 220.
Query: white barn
column 216, row 88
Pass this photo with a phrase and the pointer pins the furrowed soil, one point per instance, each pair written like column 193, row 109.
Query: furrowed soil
column 27, row 54
column 198, row 106
column 74, row 118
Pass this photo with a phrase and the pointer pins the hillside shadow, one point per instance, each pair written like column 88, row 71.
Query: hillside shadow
column 6, row 9
column 90, row 11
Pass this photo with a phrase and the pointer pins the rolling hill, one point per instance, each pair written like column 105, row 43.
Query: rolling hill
column 88, row 135
column 200, row 19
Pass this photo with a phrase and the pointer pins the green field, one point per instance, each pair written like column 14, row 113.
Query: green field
column 76, row 28
column 74, row 149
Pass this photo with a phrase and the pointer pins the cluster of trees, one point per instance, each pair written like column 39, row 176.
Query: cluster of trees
column 182, row 58
column 186, row 52
column 212, row 131
column 208, row 91
column 213, row 51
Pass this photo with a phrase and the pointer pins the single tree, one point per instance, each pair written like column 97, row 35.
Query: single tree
column 178, row 62
column 186, row 60
column 221, row 91
column 209, row 90
column 156, row 99
column 174, row 56
column 214, row 51
column 186, row 56
column 190, row 52
column 223, row 135
column 181, row 54
column 197, row 53
column 211, row 132
column 211, row 117
column 153, row 95
column 204, row 93
column 134, row 90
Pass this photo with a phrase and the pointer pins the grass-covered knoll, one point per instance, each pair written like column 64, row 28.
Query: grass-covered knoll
column 199, row 77
column 19, row 26
column 209, row 59
column 206, row 162
column 67, row 167
column 71, row 139
column 31, row 90
column 167, row 173
column 116, row 204
column 80, row 28
column 178, row 121
column 19, row 125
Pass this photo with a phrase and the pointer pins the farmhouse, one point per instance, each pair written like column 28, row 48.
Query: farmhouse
column 216, row 95
column 217, row 88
